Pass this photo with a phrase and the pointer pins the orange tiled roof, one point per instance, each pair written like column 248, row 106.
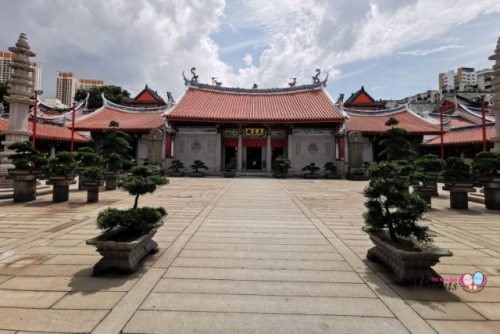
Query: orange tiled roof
column 464, row 136
column 306, row 104
column 48, row 132
column 133, row 121
column 373, row 122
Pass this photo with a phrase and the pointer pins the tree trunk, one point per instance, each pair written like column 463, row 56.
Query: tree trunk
column 136, row 202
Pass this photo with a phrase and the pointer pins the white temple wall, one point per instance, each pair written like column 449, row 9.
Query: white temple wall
column 196, row 145
column 309, row 146
column 367, row 150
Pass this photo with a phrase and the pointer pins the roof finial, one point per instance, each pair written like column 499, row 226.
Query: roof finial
column 194, row 78
column 255, row 86
column 293, row 83
column 316, row 77
column 215, row 82
column 326, row 79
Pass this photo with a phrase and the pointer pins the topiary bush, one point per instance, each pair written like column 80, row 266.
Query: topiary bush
column 394, row 143
column 311, row 168
column 176, row 166
column 87, row 157
column 330, row 168
column 281, row 165
column 114, row 146
column 457, row 170
column 27, row 158
column 141, row 181
column 429, row 163
column 62, row 164
column 486, row 165
column 390, row 206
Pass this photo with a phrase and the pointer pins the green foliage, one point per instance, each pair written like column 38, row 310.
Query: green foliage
column 114, row 147
column 405, row 167
column 417, row 177
column 140, row 220
column 87, row 157
column 198, row 164
column 311, row 168
column 176, row 166
column 25, row 157
column 113, row 93
column 93, row 173
column 231, row 165
column 282, row 164
column 391, row 206
column 486, row 164
column 330, row 167
column 395, row 145
column 429, row 163
column 457, row 170
column 62, row 164
column 140, row 182
column 392, row 122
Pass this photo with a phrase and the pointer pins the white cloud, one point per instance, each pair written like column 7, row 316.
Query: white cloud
column 248, row 59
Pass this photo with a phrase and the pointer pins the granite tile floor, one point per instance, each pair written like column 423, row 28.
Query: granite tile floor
column 240, row 255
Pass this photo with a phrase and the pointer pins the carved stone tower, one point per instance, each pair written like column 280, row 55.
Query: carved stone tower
column 20, row 100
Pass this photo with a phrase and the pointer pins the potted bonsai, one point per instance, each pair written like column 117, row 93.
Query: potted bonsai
column 392, row 222
column 114, row 146
column 458, row 180
column 486, row 168
column 127, row 234
column 230, row 168
column 86, row 157
column 394, row 144
column 281, row 165
column 311, row 169
column 61, row 170
column 29, row 164
column 196, row 166
column 331, row 171
column 92, row 181
column 431, row 165
column 420, row 183
column 175, row 168
column 405, row 169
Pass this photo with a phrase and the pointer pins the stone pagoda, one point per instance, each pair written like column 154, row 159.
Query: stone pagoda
column 20, row 100
column 496, row 101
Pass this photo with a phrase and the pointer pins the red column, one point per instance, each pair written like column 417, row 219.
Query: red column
column 168, row 145
column 441, row 132
column 483, row 119
column 341, row 148
column 34, row 121
column 73, row 127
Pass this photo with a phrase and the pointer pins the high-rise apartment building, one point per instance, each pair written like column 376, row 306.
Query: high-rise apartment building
column 465, row 77
column 446, row 81
column 89, row 83
column 66, row 87
column 485, row 79
column 6, row 71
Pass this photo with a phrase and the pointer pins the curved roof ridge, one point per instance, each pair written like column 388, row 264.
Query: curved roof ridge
column 359, row 112
column 116, row 106
column 256, row 91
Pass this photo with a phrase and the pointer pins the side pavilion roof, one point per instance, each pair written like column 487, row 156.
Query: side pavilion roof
column 302, row 104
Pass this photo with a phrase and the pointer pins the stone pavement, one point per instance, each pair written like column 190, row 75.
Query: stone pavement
column 239, row 256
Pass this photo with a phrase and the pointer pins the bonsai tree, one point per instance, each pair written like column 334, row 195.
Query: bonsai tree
column 330, row 168
column 196, row 166
column 175, row 168
column 486, row 168
column 392, row 221
column 86, row 157
column 312, row 169
column 114, row 146
column 128, row 233
column 394, row 143
column 92, row 180
column 230, row 168
column 457, row 175
column 430, row 165
column 391, row 207
column 29, row 164
column 281, row 165
column 61, row 170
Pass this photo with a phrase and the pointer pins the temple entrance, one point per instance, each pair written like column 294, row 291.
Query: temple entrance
column 276, row 152
column 254, row 158
column 229, row 153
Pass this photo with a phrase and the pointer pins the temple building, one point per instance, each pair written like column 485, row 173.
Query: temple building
column 361, row 100
column 254, row 126
column 148, row 98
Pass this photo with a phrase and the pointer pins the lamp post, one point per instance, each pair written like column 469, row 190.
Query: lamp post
column 73, row 127
column 35, row 118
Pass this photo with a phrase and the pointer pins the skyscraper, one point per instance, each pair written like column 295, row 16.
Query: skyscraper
column 6, row 71
column 66, row 87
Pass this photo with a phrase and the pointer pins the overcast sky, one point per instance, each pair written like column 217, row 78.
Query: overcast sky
column 394, row 48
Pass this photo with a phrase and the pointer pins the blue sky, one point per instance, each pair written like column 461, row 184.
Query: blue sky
column 394, row 48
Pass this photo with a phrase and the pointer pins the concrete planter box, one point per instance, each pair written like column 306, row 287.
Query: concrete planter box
column 333, row 176
column 60, row 187
column 280, row 175
column 459, row 197
column 24, row 184
column 406, row 266
column 432, row 183
column 110, row 180
column 424, row 192
column 121, row 257
column 92, row 188
column 229, row 174
column 311, row 176
column 197, row 174
column 491, row 192
column 175, row 174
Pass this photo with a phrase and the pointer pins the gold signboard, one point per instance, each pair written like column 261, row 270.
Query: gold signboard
column 255, row 132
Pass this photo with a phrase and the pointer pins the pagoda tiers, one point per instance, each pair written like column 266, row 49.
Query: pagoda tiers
column 146, row 126
column 254, row 126
column 361, row 100
column 370, row 124
column 148, row 98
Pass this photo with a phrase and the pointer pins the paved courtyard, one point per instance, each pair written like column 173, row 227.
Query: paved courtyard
column 240, row 256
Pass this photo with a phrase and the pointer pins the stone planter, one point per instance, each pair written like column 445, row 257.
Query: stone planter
column 197, row 174
column 110, row 180
column 432, row 183
column 280, row 175
column 24, row 184
column 424, row 192
column 175, row 174
column 334, row 176
column 82, row 179
column 60, row 187
column 491, row 192
column 459, row 197
column 407, row 266
column 121, row 256
column 311, row 176
column 229, row 174
column 92, row 188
